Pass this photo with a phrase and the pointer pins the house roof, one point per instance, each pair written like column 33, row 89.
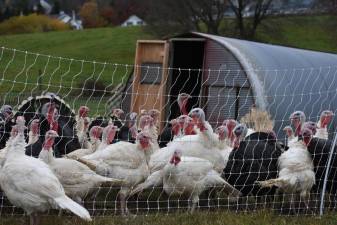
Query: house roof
column 285, row 79
column 134, row 17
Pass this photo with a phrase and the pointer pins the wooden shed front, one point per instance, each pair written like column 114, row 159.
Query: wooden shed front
column 149, row 84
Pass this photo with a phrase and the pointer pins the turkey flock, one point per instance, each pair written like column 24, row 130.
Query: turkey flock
column 51, row 158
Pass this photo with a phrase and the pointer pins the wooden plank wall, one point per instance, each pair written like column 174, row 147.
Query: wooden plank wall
column 150, row 96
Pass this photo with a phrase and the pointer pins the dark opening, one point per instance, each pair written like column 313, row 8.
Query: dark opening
column 186, row 55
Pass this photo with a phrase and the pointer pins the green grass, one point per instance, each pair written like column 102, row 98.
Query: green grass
column 115, row 45
column 317, row 33
column 21, row 72
column 202, row 218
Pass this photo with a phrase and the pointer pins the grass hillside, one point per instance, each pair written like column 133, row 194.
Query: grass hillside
column 25, row 74
column 317, row 33
column 102, row 44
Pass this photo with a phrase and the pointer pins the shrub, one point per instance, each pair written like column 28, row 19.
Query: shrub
column 90, row 15
column 31, row 24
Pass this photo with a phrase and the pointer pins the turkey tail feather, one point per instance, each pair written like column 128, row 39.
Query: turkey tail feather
column 66, row 203
column 91, row 165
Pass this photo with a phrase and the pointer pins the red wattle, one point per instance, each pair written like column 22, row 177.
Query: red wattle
column 48, row 144
column 54, row 126
column 183, row 110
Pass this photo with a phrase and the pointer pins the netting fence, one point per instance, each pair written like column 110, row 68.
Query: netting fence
column 222, row 94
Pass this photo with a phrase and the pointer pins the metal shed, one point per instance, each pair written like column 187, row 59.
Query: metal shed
column 227, row 76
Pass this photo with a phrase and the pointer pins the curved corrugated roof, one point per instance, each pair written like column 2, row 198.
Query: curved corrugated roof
column 286, row 79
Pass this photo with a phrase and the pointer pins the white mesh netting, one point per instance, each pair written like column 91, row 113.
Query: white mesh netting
column 161, row 181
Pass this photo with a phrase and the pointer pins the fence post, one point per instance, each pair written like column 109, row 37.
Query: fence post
column 332, row 149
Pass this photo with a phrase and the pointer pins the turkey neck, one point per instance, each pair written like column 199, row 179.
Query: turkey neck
column 103, row 144
column 46, row 153
column 79, row 124
column 32, row 137
column 46, row 156
column 222, row 143
column 147, row 151
column 183, row 108
column 208, row 135
column 17, row 146
column 96, row 142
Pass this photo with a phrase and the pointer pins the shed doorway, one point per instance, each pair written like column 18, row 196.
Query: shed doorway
column 188, row 55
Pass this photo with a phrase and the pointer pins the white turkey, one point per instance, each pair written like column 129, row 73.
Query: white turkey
column 182, row 101
column 83, row 133
column 186, row 125
column 77, row 179
column 29, row 183
column 108, row 136
column 19, row 127
column 202, row 145
column 95, row 135
column 190, row 176
column 83, row 112
column 34, row 131
column 297, row 119
column 82, row 126
column 125, row 161
column 289, row 134
column 224, row 148
column 296, row 170
column 147, row 123
column 175, row 128
column 230, row 124
column 3, row 152
column 190, row 145
column 323, row 123
column 204, row 130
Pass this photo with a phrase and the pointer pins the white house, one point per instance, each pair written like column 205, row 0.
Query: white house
column 72, row 21
column 133, row 21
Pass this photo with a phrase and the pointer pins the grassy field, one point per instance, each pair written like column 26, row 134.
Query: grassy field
column 202, row 218
column 115, row 45
column 23, row 74
column 317, row 33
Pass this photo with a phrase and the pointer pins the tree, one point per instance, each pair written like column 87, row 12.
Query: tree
column 211, row 13
column 176, row 16
column 117, row 11
column 110, row 15
column 68, row 6
column 91, row 16
column 247, row 26
column 56, row 8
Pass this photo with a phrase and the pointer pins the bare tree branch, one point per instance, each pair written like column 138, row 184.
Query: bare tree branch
column 247, row 26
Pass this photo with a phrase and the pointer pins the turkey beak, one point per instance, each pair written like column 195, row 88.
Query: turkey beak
column 54, row 134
